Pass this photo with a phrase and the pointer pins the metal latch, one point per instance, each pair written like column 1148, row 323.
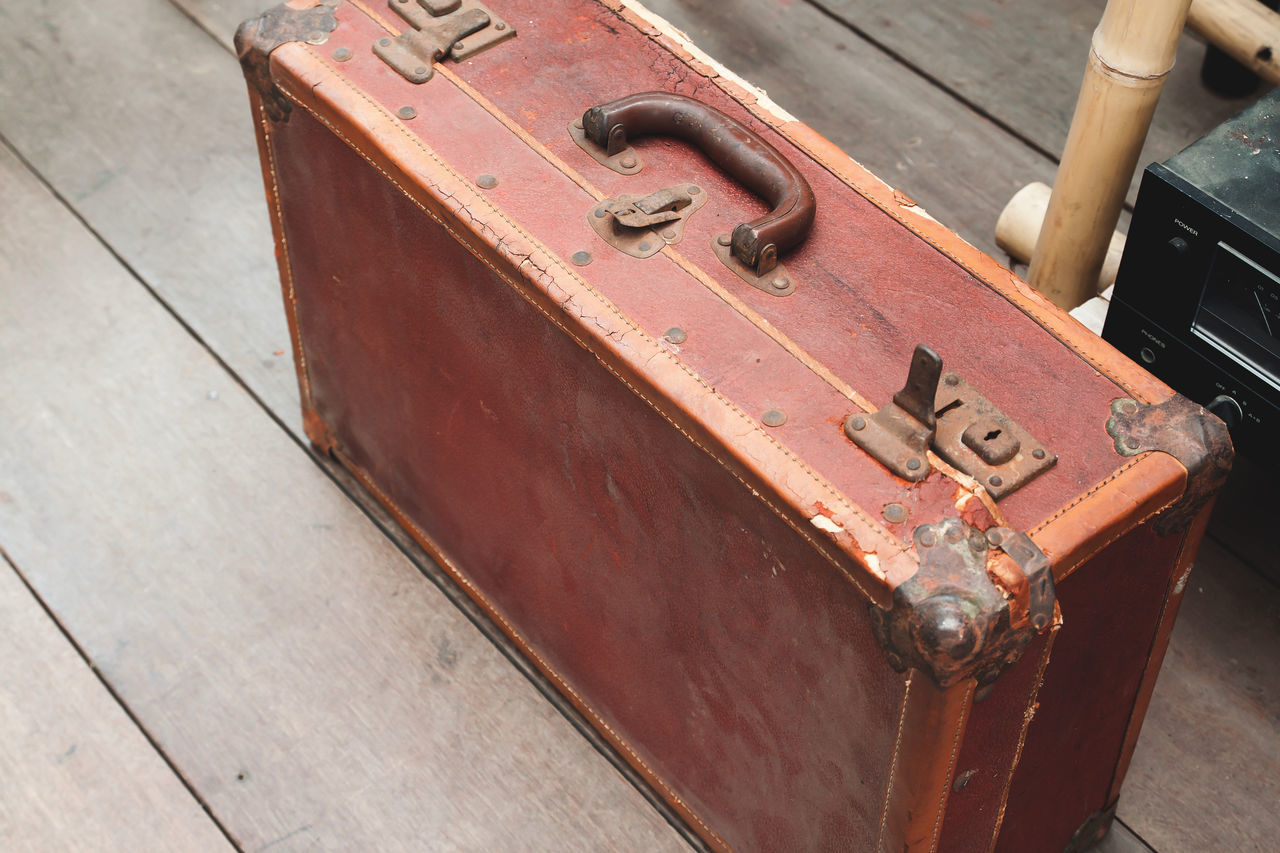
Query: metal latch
column 642, row 225
column 439, row 27
column 949, row 416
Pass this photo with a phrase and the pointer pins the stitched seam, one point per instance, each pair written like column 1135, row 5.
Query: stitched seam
column 829, row 489
column 1028, row 714
column 893, row 763
column 526, row 647
column 961, row 725
column 1115, row 475
column 291, row 302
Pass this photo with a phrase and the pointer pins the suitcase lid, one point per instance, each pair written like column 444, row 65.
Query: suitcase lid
column 771, row 385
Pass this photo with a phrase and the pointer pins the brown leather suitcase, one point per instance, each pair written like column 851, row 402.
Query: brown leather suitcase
column 841, row 536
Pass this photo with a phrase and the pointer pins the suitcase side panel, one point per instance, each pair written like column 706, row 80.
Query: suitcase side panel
column 1112, row 608
column 598, row 553
column 992, row 749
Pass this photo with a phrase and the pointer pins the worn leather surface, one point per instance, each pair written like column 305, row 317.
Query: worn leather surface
column 1091, row 685
column 562, row 460
column 582, row 517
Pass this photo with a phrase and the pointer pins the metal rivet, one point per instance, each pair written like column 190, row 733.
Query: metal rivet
column 1128, row 407
column 774, row 418
column 977, row 541
column 1131, row 443
column 601, row 213
column 1038, row 453
column 780, row 283
column 694, row 190
column 457, row 45
column 407, row 113
column 669, row 234
column 894, row 513
column 913, row 464
column 962, row 780
column 500, row 26
column 581, row 258
column 952, row 379
column 954, row 535
column 995, row 537
column 859, row 423
column 996, row 480
column 644, row 247
column 342, row 54
column 487, row 182
column 1040, row 621
column 627, row 162
column 927, row 539
column 577, row 123
column 724, row 239
column 421, row 70
column 384, row 42
column 676, row 335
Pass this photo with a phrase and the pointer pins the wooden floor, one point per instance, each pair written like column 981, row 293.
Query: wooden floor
column 210, row 640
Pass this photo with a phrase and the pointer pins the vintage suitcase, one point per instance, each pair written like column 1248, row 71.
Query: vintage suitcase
column 643, row 372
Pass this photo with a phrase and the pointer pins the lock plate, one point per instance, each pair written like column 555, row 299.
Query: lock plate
column 942, row 413
column 982, row 441
column 455, row 28
column 642, row 225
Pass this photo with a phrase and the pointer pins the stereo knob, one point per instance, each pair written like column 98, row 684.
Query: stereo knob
column 1227, row 409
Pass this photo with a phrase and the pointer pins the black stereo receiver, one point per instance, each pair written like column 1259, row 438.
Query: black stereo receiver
column 1197, row 295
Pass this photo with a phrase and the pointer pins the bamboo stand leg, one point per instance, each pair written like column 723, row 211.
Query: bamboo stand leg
column 1244, row 29
column 1132, row 53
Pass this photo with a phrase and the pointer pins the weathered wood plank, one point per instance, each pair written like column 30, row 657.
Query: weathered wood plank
column 306, row 678
column 1206, row 773
column 1022, row 64
column 141, row 122
column 75, row 772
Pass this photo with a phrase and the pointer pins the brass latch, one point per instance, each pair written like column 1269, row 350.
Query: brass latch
column 642, row 225
column 949, row 416
column 439, row 29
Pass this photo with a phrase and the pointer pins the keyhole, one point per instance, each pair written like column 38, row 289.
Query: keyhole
column 991, row 436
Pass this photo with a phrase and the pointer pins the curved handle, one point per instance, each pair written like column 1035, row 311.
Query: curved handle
column 732, row 146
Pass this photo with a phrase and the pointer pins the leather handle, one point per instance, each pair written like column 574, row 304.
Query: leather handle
column 733, row 147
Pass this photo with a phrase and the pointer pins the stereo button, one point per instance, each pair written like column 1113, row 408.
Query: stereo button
column 1179, row 245
column 1227, row 409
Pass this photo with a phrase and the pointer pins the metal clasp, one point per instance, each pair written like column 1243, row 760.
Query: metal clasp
column 642, row 225
column 439, row 27
column 948, row 415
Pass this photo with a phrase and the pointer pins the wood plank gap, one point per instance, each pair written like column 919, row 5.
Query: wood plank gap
column 111, row 691
column 1136, row 837
column 940, row 85
column 935, row 81
column 203, row 26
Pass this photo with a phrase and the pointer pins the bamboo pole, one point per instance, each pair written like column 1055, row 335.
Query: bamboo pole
column 1246, row 30
column 1019, row 226
column 1130, row 57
